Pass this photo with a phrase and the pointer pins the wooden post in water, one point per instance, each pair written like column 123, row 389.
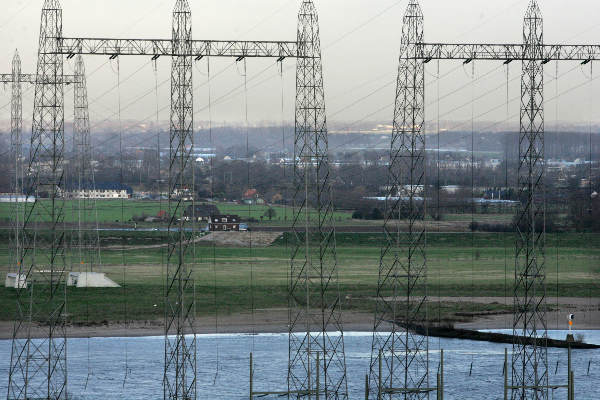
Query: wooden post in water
column 366, row 386
column 505, row 374
column 572, row 385
column 251, row 379
column 379, row 382
column 589, row 365
column 318, row 377
column 571, row 392
column 441, row 384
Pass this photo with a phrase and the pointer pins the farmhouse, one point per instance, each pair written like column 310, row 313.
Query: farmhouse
column 224, row 223
column 201, row 212
column 251, row 196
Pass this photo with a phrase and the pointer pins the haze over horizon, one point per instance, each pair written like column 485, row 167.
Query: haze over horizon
column 360, row 53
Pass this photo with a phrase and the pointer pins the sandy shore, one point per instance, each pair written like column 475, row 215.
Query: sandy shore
column 263, row 321
column 587, row 316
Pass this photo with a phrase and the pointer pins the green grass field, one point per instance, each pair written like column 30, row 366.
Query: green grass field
column 117, row 211
column 459, row 265
column 109, row 211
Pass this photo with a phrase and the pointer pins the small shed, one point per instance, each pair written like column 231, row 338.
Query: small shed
column 15, row 281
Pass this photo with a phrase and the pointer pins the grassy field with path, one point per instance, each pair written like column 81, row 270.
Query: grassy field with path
column 459, row 265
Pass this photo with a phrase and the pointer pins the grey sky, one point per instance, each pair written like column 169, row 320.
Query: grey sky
column 360, row 49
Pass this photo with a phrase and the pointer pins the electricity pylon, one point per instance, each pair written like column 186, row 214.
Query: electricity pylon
column 530, row 357
column 317, row 363
column 180, row 337
column 16, row 144
column 38, row 367
column 399, row 356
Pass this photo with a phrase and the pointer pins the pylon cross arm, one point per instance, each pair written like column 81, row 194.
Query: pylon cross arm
column 31, row 78
column 504, row 52
column 164, row 47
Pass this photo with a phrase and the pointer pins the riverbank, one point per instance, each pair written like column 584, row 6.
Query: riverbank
column 263, row 321
column 275, row 320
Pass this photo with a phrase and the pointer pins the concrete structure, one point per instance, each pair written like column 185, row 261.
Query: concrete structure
column 15, row 281
column 90, row 279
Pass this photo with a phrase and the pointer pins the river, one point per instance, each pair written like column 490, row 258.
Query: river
column 131, row 368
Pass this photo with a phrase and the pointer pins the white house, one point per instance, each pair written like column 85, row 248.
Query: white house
column 99, row 194
column 99, row 191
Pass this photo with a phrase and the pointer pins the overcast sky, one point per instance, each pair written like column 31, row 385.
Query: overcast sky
column 360, row 40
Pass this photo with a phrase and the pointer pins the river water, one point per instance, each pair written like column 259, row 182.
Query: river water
column 131, row 368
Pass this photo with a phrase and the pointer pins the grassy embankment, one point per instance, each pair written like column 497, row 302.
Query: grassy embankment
column 459, row 265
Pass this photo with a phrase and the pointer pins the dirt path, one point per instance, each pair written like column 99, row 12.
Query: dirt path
column 241, row 239
column 226, row 239
column 142, row 247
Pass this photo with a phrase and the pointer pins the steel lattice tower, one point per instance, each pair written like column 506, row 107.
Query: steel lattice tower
column 401, row 291
column 17, row 377
column 86, row 244
column 16, row 142
column 316, row 355
column 530, row 360
column 180, row 350
column 38, row 367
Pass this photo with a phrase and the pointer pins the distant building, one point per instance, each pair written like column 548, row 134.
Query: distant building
column 16, row 198
column 416, row 199
column 142, row 195
column 182, row 194
column 403, row 190
column 224, row 223
column 107, row 190
column 201, row 212
column 251, row 196
column 450, row 189
column 494, row 205
column 493, row 163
